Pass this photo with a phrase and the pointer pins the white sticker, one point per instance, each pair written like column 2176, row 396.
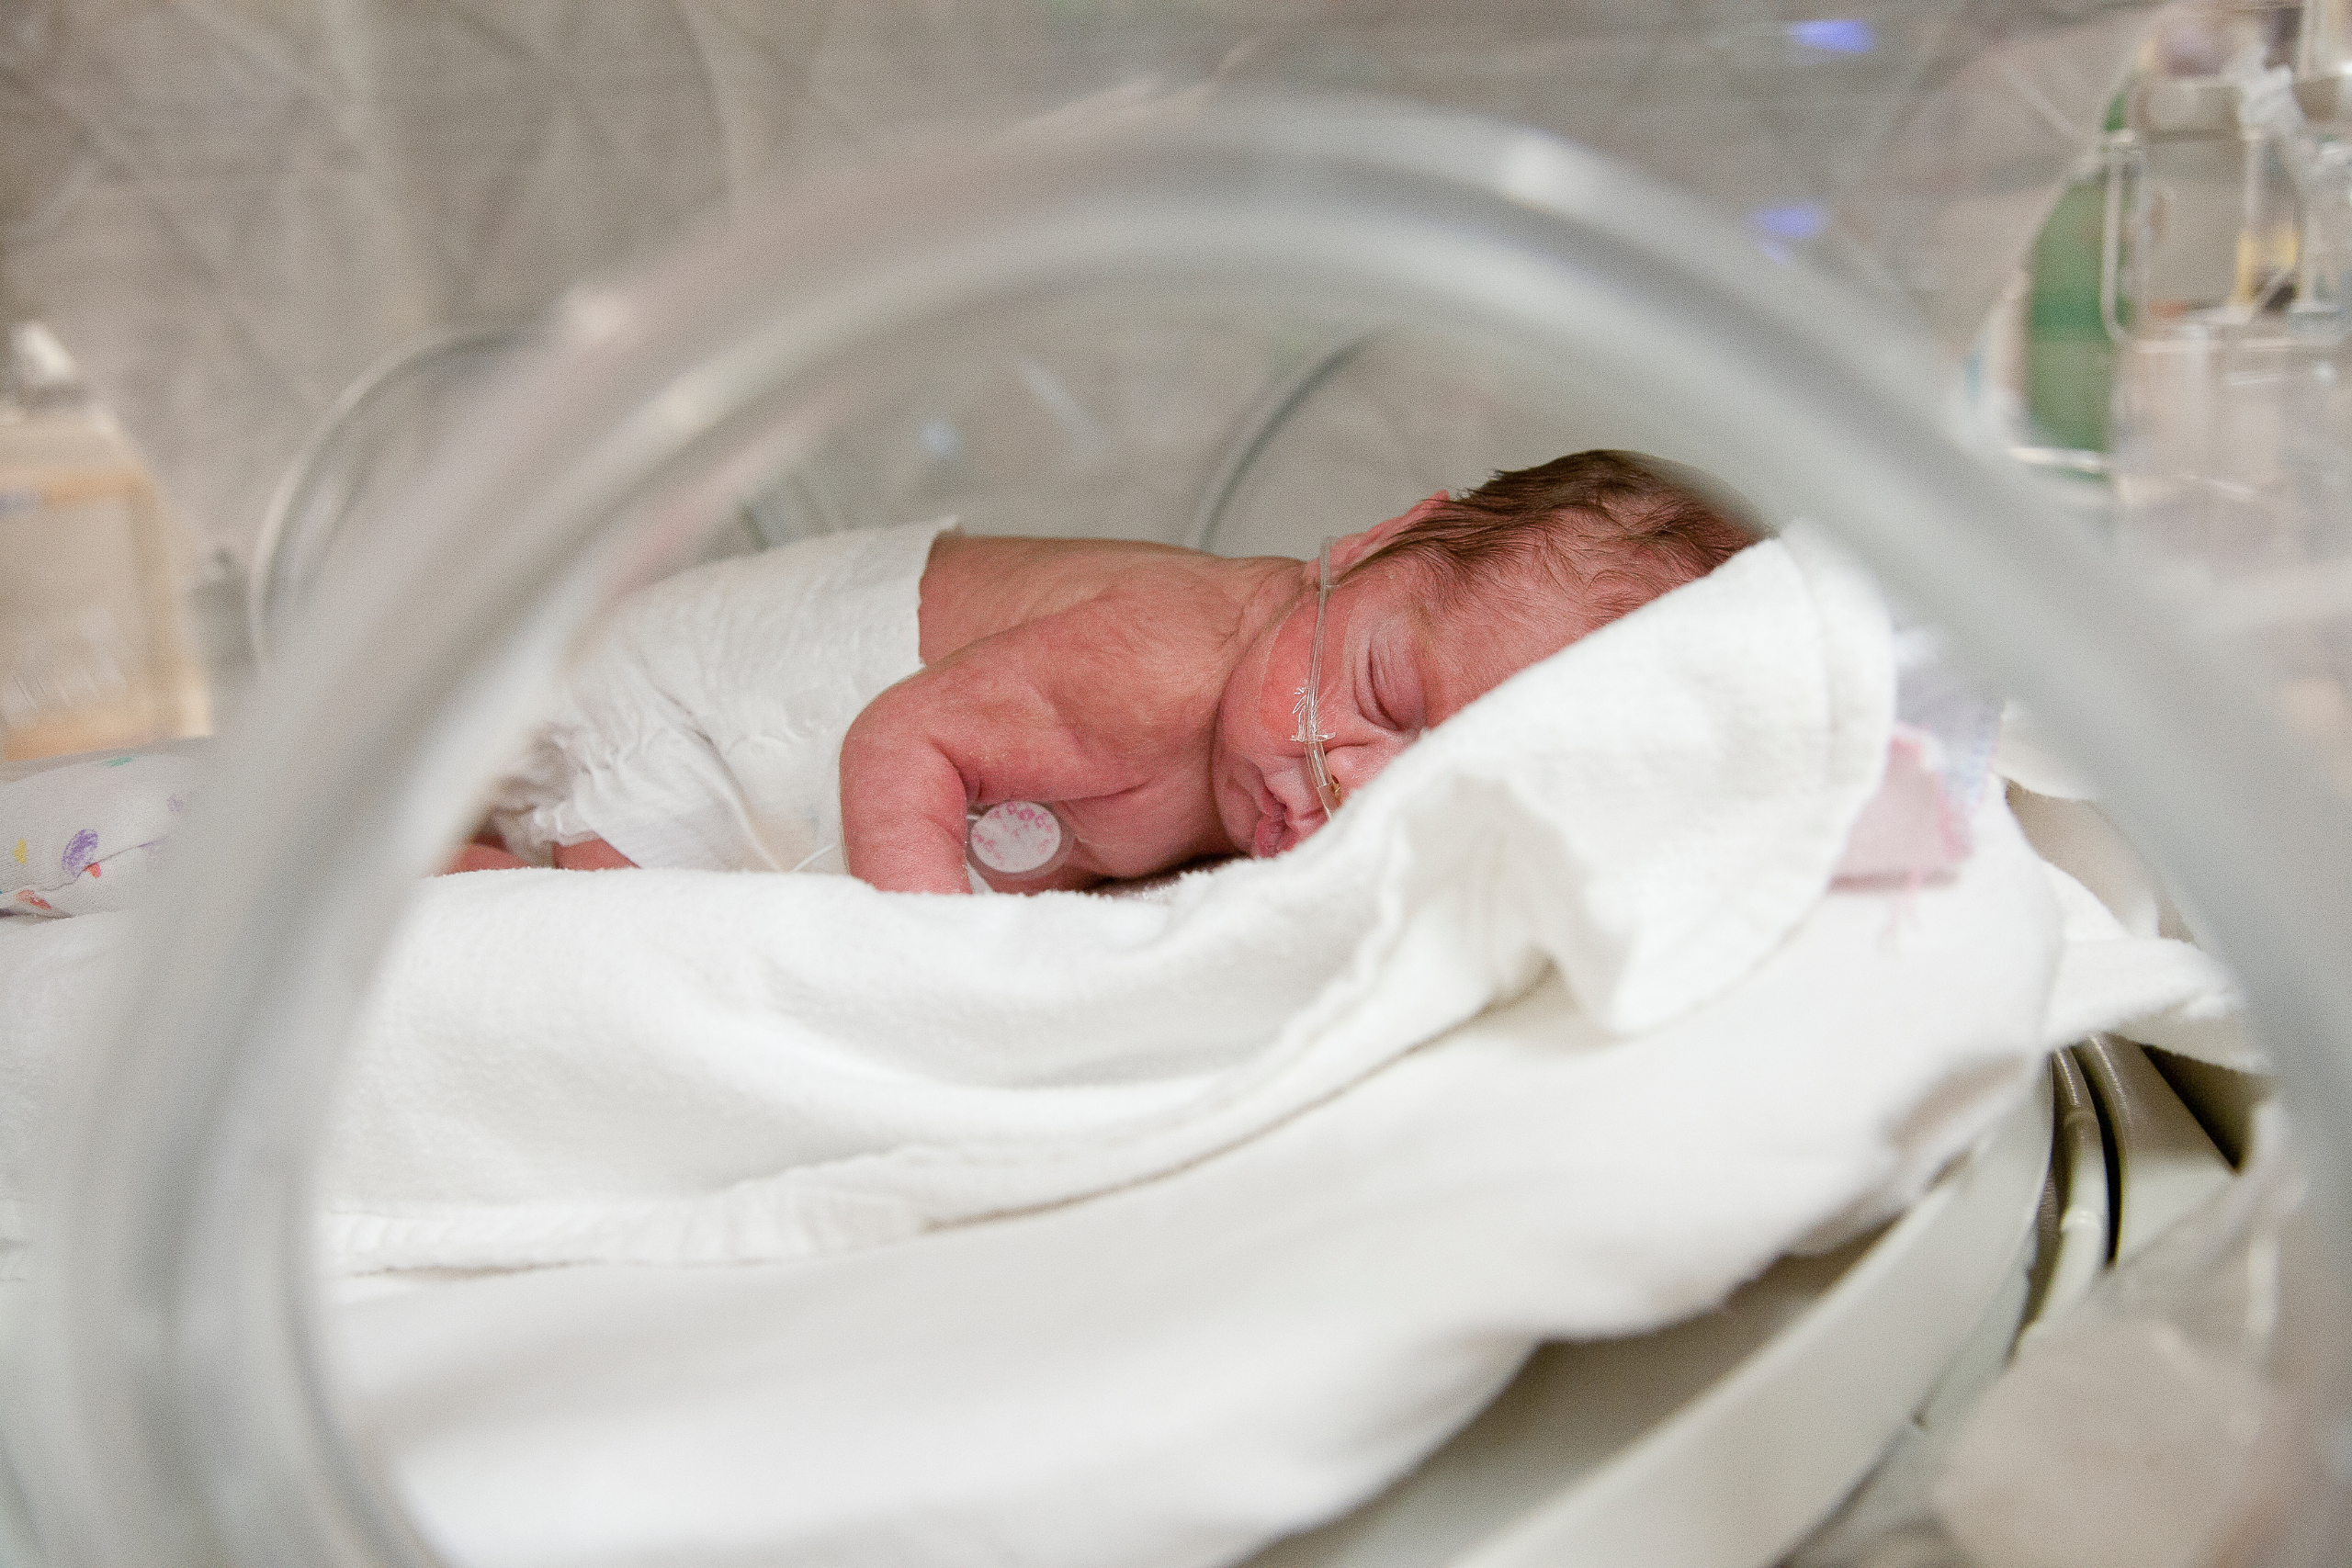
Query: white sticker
column 1014, row 837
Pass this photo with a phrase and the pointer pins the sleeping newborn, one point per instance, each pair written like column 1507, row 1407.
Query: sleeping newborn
column 859, row 697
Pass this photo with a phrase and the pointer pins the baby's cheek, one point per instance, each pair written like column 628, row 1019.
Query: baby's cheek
column 1276, row 711
column 1361, row 764
column 1284, row 680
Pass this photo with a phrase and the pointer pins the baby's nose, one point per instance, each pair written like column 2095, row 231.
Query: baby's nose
column 1294, row 787
column 1354, row 766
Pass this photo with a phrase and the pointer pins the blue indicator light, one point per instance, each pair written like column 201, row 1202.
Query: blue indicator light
column 940, row 438
column 1835, row 35
column 1797, row 220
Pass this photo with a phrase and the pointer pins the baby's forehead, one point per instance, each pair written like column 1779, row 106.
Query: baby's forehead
column 1454, row 601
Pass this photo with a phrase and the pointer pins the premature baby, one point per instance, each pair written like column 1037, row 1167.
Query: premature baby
column 766, row 711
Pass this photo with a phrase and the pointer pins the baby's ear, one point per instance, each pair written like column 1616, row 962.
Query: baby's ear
column 1346, row 552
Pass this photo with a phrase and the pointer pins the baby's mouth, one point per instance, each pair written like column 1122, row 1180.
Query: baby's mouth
column 1273, row 830
column 1277, row 830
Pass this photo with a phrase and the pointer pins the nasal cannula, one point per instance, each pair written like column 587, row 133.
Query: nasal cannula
column 1311, row 732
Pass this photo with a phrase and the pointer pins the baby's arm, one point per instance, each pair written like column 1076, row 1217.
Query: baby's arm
column 1012, row 716
column 924, row 751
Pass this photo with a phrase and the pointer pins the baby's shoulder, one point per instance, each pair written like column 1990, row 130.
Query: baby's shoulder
column 976, row 588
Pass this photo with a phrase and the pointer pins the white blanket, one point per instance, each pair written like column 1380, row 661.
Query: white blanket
column 1271, row 1208
column 704, row 1067
column 1176, row 1372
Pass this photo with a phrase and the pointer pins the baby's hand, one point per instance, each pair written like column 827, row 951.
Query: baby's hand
column 1106, row 708
column 902, row 805
column 592, row 854
column 482, row 857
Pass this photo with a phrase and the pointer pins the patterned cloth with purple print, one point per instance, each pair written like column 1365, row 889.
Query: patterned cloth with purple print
column 89, row 835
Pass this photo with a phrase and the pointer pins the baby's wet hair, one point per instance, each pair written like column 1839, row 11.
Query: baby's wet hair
column 1612, row 530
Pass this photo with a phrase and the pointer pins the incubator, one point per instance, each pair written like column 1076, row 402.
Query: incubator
column 1239, row 282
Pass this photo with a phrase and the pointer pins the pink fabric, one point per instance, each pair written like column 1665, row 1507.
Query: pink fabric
column 1911, row 831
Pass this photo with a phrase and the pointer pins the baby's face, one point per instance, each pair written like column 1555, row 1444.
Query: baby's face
column 1390, row 671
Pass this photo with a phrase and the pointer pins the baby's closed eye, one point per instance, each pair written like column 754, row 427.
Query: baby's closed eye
column 1389, row 692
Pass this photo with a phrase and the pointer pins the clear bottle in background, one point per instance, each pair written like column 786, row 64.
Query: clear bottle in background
column 94, row 644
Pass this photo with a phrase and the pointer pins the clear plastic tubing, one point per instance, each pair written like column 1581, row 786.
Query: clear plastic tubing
column 177, row 1411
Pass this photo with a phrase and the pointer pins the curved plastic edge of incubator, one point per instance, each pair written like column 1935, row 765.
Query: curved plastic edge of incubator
column 176, row 1362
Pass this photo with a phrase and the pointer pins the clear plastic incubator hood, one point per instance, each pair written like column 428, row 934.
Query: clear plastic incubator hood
column 1230, row 281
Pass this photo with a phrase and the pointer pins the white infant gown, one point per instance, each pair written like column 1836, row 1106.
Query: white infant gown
column 703, row 727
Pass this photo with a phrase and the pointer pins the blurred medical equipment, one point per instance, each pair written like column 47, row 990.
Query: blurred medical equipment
column 183, row 1215
column 94, row 645
column 2226, row 279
